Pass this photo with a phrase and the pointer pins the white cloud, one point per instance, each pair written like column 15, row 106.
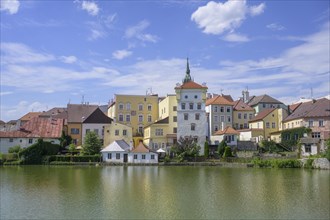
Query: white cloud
column 22, row 108
column 68, row 59
column 121, row 54
column 11, row 6
column 91, row 7
column 232, row 37
column 137, row 31
column 257, row 9
column 97, row 31
column 5, row 93
column 217, row 18
column 275, row 27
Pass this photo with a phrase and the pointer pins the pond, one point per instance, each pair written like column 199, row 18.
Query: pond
column 119, row 192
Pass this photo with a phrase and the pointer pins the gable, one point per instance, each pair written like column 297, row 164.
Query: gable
column 98, row 117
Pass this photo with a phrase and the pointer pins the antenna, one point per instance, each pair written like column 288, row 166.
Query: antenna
column 82, row 99
column 221, row 90
column 311, row 93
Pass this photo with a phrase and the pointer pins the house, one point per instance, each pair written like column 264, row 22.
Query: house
column 142, row 154
column 229, row 134
column 315, row 115
column 242, row 113
column 76, row 115
column 220, row 113
column 27, row 117
column 191, row 113
column 56, row 112
column 262, row 102
column 251, row 134
column 163, row 132
column 117, row 131
column 45, row 128
column 269, row 120
column 136, row 111
column 116, row 152
column 309, row 146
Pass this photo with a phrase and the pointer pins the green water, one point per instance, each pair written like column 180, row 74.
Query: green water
column 41, row 192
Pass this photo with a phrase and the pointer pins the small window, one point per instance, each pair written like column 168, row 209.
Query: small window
column 193, row 126
column 121, row 117
column 135, row 156
column 250, row 116
column 143, row 156
column 74, row 130
column 128, row 118
column 109, row 156
column 228, row 119
column 149, row 107
column 140, row 107
column 175, row 130
column 30, row 141
column 116, row 132
column 228, row 109
column 197, row 116
column 215, row 108
column 118, row 156
column 321, row 123
column 308, row 149
column 199, row 106
column 11, row 140
column 149, row 118
column 245, row 116
column 185, row 116
column 183, row 106
column 140, row 118
column 196, row 96
column 191, row 106
column 267, row 125
column 124, row 132
column 310, row 123
column 141, row 130
column 215, row 118
column 216, row 127
column 96, row 131
column 174, row 108
column 121, row 106
column 273, row 125
column 185, row 96
column 128, row 106
column 152, row 157
column 222, row 109
column 88, row 130
column 239, row 115
column 175, row 118
column 159, row 132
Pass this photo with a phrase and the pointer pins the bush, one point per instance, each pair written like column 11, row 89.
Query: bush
column 227, row 152
column 9, row 157
column 309, row 163
column 14, row 149
column 221, row 147
column 15, row 162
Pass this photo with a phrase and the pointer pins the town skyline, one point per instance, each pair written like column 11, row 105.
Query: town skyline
column 95, row 49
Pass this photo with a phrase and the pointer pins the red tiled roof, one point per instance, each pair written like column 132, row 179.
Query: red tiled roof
column 38, row 128
column 141, row 149
column 30, row 115
column 227, row 130
column 191, row 85
column 239, row 105
column 293, row 107
column 218, row 100
column 262, row 114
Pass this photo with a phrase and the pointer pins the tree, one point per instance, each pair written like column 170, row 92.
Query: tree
column 221, row 147
column 72, row 148
column 14, row 149
column 92, row 144
column 227, row 152
column 186, row 147
column 206, row 149
column 65, row 140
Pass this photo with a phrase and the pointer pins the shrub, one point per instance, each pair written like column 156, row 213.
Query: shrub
column 221, row 147
column 9, row 157
column 14, row 149
column 15, row 162
column 309, row 163
column 227, row 152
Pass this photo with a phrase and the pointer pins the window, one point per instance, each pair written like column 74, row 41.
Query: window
column 121, row 106
column 246, row 125
column 273, row 125
column 11, row 140
column 174, row 108
column 216, row 128
column 140, row 129
column 222, row 118
column 149, row 118
column 140, row 118
column 128, row 118
column 118, row 156
column 143, row 156
column 135, row 156
column 264, row 105
column 185, row 116
column 191, row 106
column 250, row 116
column 321, row 123
column 215, row 108
column 96, row 131
column 193, row 127
column 88, row 130
column 199, row 106
column 116, row 132
column 185, row 96
column 308, row 149
column 183, row 106
column 267, row 125
column 75, row 141
column 149, row 107
column 316, row 134
column 152, row 157
column 196, row 96
column 310, row 123
column 296, row 136
column 128, row 106
column 109, row 156
column 120, row 117
column 175, row 118
column 197, row 116
column 215, row 118
column 239, row 115
column 228, row 119
column 159, row 132
column 74, row 130
column 140, row 107
column 175, row 130
column 228, row 109
column 222, row 109
column 124, row 132
column 245, row 116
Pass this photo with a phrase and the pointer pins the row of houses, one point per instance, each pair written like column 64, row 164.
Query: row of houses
column 160, row 121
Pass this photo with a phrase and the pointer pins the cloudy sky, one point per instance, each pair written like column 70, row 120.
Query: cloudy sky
column 55, row 52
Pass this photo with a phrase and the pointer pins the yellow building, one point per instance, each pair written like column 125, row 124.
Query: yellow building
column 269, row 120
column 242, row 113
column 117, row 131
column 136, row 111
column 162, row 133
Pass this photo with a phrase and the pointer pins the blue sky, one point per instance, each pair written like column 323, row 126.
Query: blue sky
column 55, row 52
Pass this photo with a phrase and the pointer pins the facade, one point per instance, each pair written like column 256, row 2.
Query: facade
column 142, row 154
column 116, row 152
column 136, row 111
column 117, row 131
column 45, row 128
column 252, row 134
column 191, row 115
column 242, row 113
column 262, row 102
column 228, row 134
column 220, row 114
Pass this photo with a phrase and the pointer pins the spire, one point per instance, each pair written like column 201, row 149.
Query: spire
column 187, row 78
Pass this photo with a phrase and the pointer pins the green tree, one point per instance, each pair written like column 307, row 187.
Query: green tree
column 227, row 152
column 92, row 144
column 221, row 147
column 186, row 147
column 65, row 140
column 206, row 149
column 14, row 149
column 72, row 148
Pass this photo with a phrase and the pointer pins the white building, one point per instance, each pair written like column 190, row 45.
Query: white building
column 142, row 154
column 191, row 115
column 116, row 152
